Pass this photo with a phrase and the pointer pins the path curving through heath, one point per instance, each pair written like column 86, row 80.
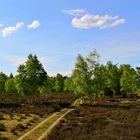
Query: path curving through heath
column 42, row 130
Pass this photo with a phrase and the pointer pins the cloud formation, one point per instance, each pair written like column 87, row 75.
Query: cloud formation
column 19, row 25
column 6, row 31
column 11, row 29
column 1, row 25
column 84, row 20
column 35, row 24
column 75, row 12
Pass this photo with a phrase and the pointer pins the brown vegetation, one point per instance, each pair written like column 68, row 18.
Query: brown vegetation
column 110, row 120
column 17, row 116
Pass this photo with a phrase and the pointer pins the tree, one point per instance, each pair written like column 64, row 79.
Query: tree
column 31, row 76
column 93, row 67
column 22, row 84
column 3, row 78
column 59, row 83
column 138, row 76
column 112, row 78
column 81, row 77
column 48, row 86
column 10, row 86
column 92, row 61
column 128, row 79
column 11, row 76
column 68, row 85
column 99, row 79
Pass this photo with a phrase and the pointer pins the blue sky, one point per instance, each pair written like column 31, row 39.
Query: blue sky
column 57, row 30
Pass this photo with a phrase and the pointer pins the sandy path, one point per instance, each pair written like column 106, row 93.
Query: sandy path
column 66, row 111
column 45, row 135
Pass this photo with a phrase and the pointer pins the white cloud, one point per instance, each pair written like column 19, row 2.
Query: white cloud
column 117, row 22
column 75, row 12
column 19, row 25
column 8, row 30
column 1, row 25
column 11, row 29
column 35, row 24
column 84, row 20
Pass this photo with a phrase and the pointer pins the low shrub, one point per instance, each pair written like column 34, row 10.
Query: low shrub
column 2, row 127
column 1, row 117
column 19, row 127
column 3, row 138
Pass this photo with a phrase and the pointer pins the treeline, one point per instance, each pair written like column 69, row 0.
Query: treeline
column 89, row 77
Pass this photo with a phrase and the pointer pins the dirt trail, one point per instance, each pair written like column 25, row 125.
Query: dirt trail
column 45, row 135
column 44, row 128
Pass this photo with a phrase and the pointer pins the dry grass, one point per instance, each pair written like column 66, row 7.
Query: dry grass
column 18, row 116
column 17, row 124
column 106, row 121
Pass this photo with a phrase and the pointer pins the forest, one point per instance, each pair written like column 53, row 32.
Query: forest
column 89, row 77
column 99, row 100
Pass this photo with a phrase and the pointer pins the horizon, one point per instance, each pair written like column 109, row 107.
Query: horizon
column 58, row 31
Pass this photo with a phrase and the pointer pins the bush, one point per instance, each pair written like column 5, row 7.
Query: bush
column 3, row 138
column 1, row 117
column 56, row 106
column 138, row 93
column 2, row 127
column 19, row 127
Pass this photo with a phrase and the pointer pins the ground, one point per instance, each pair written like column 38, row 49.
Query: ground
column 100, row 119
column 110, row 120
column 17, row 116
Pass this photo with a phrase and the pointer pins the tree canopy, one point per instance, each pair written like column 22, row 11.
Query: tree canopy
column 31, row 75
column 88, row 77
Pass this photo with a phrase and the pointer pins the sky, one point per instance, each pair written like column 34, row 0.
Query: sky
column 58, row 30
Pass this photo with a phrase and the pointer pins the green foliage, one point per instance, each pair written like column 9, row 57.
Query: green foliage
column 81, row 77
column 48, row 86
column 22, row 86
column 88, row 77
column 3, row 78
column 128, row 79
column 93, row 64
column 92, row 60
column 138, row 92
column 99, row 79
column 10, row 86
column 11, row 76
column 31, row 76
column 59, row 83
column 138, row 76
column 68, row 84
column 112, row 77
